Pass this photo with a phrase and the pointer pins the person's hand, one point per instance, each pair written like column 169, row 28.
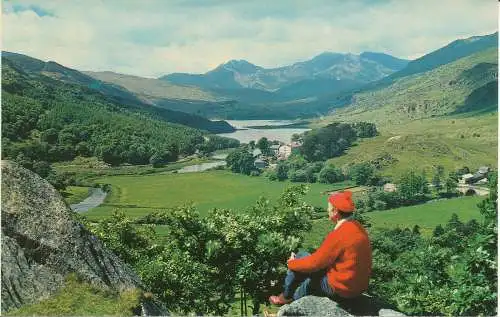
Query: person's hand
column 292, row 257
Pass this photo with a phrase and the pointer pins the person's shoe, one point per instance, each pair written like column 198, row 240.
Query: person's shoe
column 279, row 300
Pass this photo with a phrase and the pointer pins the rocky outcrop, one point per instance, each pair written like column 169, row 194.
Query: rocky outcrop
column 322, row 306
column 42, row 244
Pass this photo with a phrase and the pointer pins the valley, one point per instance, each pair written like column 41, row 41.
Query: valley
column 204, row 183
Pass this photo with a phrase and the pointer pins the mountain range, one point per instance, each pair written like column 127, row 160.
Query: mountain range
column 336, row 67
column 239, row 89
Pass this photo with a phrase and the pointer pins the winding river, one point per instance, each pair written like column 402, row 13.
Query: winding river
column 95, row 198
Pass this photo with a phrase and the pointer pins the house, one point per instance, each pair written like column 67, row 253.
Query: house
column 257, row 153
column 466, row 179
column 275, row 149
column 259, row 163
column 284, row 151
column 389, row 187
column 483, row 170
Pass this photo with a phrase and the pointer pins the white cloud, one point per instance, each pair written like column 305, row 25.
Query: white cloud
column 152, row 38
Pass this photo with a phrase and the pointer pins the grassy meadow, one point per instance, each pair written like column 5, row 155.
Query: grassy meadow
column 140, row 194
column 452, row 142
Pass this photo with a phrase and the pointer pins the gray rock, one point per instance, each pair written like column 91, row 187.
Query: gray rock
column 389, row 312
column 322, row 306
column 312, row 306
column 42, row 244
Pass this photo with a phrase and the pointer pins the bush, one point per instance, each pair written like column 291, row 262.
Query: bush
column 363, row 174
column 330, row 174
column 297, row 176
column 254, row 173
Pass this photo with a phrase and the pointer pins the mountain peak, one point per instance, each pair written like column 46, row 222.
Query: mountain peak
column 239, row 65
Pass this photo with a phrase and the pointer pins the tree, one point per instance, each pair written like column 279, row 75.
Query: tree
column 281, row 171
column 157, row 160
column 204, row 261
column 329, row 174
column 436, row 179
column 330, row 141
column 412, row 187
column 264, row 145
column 450, row 185
column 362, row 173
column 251, row 144
column 296, row 137
column 240, row 161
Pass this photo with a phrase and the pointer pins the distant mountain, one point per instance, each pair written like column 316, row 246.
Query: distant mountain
column 239, row 74
column 115, row 94
column 386, row 60
column 151, row 88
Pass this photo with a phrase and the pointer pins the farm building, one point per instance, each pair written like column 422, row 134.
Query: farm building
column 389, row 187
column 466, row 179
column 284, row 151
column 260, row 163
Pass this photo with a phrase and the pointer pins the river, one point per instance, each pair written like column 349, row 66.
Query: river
column 245, row 134
column 96, row 198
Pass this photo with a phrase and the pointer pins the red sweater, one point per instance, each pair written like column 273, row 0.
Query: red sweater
column 346, row 255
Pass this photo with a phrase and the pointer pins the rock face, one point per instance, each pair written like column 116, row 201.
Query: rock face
column 312, row 306
column 322, row 306
column 42, row 244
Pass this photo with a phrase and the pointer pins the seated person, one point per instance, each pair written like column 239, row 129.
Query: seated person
column 341, row 266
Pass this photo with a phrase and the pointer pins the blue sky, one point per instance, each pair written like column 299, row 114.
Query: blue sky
column 151, row 38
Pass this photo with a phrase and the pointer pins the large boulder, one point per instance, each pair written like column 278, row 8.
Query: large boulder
column 323, row 306
column 42, row 244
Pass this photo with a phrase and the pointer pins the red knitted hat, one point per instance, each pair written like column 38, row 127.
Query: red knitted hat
column 342, row 201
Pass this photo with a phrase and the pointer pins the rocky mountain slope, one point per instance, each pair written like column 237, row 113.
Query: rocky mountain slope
column 236, row 74
column 42, row 244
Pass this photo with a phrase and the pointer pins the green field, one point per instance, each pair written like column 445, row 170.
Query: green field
column 426, row 216
column 138, row 195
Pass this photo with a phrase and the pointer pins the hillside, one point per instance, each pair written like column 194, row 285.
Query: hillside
column 151, row 88
column 47, row 120
column 452, row 141
column 468, row 84
column 52, row 73
column 447, row 54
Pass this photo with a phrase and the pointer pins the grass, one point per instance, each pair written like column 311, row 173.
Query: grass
column 75, row 194
column 78, row 298
column 138, row 195
column 452, row 142
column 427, row 216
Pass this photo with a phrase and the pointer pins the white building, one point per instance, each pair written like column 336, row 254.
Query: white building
column 284, row 151
column 466, row 178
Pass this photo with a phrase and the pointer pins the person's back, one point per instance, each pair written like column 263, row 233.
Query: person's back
column 341, row 265
column 350, row 274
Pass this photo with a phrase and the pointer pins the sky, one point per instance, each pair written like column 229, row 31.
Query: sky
column 151, row 38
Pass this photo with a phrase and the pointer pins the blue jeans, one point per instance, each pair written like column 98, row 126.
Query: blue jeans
column 299, row 284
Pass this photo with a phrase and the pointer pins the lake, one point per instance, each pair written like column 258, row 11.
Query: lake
column 245, row 134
